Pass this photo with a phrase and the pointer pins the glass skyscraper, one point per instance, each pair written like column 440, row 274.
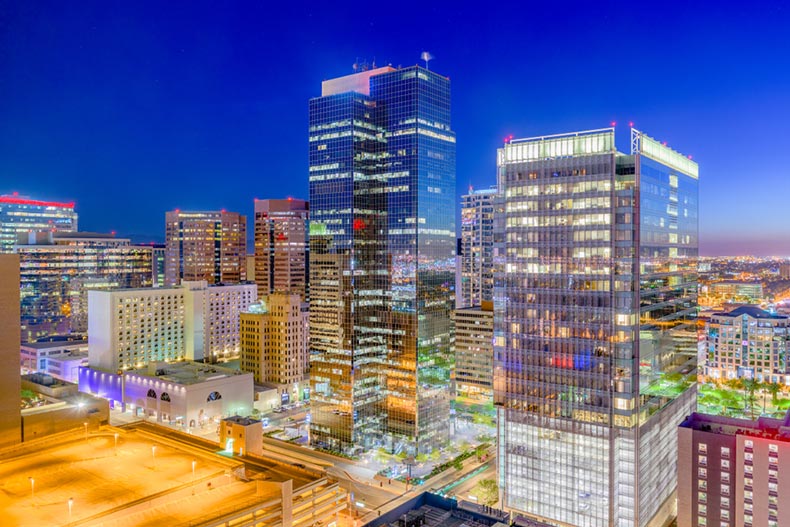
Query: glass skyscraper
column 22, row 215
column 382, row 188
column 477, row 247
column 595, row 337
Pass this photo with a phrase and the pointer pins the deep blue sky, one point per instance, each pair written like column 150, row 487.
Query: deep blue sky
column 133, row 108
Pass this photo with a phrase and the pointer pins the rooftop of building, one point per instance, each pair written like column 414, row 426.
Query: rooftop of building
column 752, row 311
column 484, row 307
column 432, row 510
column 186, row 372
column 243, row 421
column 778, row 429
column 57, row 344
column 16, row 199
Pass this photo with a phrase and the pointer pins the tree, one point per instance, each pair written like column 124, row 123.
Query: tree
column 486, row 492
column 773, row 388
column 750, row 386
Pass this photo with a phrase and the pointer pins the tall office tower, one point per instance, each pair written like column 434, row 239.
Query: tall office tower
column 595, row 339
column 158, row 264
column 477, row 247
column 474, row 352
column 382, row 186
column 59, row 268
column 210, row 246
column 10, row 378
column 748, row 342
column 22, row 215
column 274, row 335
column 281, row 246
column 128, row 328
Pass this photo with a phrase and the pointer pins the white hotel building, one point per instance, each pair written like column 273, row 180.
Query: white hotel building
column 128, row 328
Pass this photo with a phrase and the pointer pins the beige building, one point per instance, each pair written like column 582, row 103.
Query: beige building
column 210, row 246
column 10, row 420
column 474, row 352
column 241, row 435
column 274, row 344
column 748, row 342
column 281, row 244
column 128, row 328
column 733, row 472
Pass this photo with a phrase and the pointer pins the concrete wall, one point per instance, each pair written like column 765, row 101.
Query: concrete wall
column 40, row 422
column 10, row 386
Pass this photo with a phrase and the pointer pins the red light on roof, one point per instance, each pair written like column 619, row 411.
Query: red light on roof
column 112, row 232
column 613, row 123
column 664, row 143
column 15, row 194
column 290, row 198
column 690, row 157
column 631, row 124
column 223, row 211
column 20, row 201
column 177, row 211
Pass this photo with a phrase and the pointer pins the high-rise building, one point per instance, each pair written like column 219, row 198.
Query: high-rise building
column 595, row 339
column 784, row 271
column 382, row 187
column 281, row 246
column 210, row 246
column 58, row 269
column 22, row 215
column 129, row 328
column 10, row 377
column 477, row 248
column 158, row 262
column 474, row 352
column 274, row 337
column 733, row 471
column 748, row 342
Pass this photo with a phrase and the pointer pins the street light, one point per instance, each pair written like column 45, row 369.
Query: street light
column 116, row 443
column 71, row 504
column 153, row 455
column 194, row 463
column 86, row 430
column 32, row 487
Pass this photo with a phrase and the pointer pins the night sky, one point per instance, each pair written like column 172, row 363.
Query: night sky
column 134, row 108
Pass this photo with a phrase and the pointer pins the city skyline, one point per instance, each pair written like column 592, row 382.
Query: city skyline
column 203, row 94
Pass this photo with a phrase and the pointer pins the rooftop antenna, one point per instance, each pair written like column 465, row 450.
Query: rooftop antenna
column 426, row 57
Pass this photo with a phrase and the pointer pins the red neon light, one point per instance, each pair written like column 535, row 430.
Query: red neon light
column 358, row 224
column 20, row 201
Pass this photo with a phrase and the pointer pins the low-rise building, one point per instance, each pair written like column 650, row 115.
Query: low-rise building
column 731, row 290
column 748, row 342
column 189, row 394
column 241, row 435
column 733, row 472
column 60, row 359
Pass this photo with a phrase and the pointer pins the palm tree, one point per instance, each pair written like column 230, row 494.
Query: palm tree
column 773, row 388
column 750, row 386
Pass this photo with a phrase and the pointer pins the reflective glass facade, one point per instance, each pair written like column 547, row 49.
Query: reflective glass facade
column 477, row 248
column 595, row 336
column 58, row 269
column 382, row 184
column 22, row 215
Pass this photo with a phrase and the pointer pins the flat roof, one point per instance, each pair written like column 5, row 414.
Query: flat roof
column 187, row 372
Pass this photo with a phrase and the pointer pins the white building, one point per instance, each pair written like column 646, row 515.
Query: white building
column 61, row 360
column 128, row 328
column 190, row 394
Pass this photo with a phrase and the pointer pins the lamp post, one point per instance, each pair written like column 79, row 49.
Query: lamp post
column 32, row 487
column 86, row 430
column 194, row 464
column 71, row 504
column 116, row 443
column 153, row 455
